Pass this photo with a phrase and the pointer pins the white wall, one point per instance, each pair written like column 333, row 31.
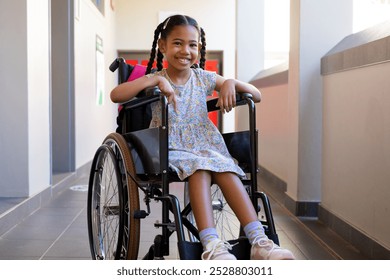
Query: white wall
column 250, row 57
column 356, row 150
column 38, row 77
column 24, row 79
column 312, row 35
column 93, row 122
column 13, row 105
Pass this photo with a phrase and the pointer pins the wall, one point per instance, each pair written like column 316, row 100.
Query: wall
column 25, row 91
column 272, row 119
column 250, row 57
column 38, row 76
column 311, row 36
column 93, row 122
column 356, row 137
column 24, row 110
column 356, row 151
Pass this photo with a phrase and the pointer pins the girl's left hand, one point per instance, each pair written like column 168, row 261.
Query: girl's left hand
column 227, row 96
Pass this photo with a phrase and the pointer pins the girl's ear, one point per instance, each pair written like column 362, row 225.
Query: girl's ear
column 161, row 45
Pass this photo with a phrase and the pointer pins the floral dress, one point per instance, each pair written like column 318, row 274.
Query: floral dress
column 194, row 141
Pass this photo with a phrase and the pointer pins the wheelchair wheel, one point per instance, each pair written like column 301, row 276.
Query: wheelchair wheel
column 226, row 222
column 112, row 199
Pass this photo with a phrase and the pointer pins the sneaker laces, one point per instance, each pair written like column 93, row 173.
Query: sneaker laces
column 266, row 243
column 217, row 248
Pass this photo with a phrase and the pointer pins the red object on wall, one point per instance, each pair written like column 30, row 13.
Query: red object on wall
column 212, row 65
column 132, row 61
column 145, row 63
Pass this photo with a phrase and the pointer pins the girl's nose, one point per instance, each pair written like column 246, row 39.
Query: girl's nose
column 185, row 49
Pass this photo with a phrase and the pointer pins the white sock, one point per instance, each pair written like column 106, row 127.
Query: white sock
column 253, row 230
column 207, row 235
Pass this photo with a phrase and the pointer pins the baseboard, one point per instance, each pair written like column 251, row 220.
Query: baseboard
column 279, row 187
column 359, row 240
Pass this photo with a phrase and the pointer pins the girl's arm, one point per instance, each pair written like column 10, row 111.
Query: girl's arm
column 126, row 91
column 227, row 92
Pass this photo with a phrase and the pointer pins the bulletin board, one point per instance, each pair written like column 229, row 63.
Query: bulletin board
column 100, row 70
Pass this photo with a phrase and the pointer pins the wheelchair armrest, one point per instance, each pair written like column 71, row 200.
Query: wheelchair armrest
column 146, row 96
column 148, row 92
column 241, row 99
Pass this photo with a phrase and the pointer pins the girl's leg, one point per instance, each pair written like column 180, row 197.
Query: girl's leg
column 200, row 197
column 238, row 199
column 236, row 196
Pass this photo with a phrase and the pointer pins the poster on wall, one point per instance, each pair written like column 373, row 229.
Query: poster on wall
column 99, row 71
column 99, row 5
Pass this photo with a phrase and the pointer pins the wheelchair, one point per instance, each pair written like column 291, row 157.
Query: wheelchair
column 134, row 160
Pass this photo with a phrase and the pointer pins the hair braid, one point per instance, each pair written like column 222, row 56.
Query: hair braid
column 153, row 50
column 159, row 60
column 202, row 60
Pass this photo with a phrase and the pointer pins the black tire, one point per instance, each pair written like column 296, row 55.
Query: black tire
column 112, row 199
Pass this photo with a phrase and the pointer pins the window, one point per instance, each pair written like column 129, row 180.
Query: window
column 276, row 32
column 367, row 13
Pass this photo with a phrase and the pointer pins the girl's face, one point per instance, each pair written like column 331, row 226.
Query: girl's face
column 181, row 47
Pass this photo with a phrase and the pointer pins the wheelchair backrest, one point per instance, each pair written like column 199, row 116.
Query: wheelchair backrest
column 130, row 119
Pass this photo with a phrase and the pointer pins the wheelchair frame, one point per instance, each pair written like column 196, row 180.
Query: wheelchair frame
column 138, row 165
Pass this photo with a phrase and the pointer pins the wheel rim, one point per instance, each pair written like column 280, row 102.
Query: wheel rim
column 131, row 226
column 105, row 207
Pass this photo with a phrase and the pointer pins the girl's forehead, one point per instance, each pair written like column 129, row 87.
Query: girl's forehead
column 184, row 31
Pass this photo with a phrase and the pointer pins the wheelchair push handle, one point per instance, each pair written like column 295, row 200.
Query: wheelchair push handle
column 241, row 99
column 115, row 64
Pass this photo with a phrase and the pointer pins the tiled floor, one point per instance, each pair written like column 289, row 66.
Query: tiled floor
column 58, row 230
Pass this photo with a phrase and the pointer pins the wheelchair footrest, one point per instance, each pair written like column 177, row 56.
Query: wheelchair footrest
column 193, row 250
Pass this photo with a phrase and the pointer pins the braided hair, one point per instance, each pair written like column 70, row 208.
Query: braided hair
column 163, row 30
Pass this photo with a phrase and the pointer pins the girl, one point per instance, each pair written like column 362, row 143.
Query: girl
column 196, row 148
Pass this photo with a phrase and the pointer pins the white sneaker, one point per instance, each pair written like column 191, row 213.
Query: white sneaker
column 218, row 250
column 266, row 249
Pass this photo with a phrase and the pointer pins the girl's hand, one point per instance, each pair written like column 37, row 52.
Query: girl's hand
column 167, row 90
column 227, row 96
